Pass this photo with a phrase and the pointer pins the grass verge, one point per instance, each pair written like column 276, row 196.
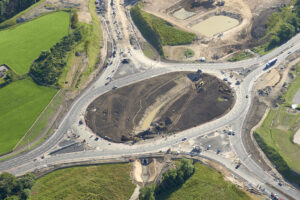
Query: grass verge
column 42, row 121
column 92, row 43
column 240, row 56
column 21, row 103
column 149, row 51
column 157, row 31
column 110, row 181
column 206, row 183
column 21, row 45
column 275, row 136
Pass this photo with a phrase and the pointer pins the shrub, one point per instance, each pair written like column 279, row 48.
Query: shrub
column 47, row 68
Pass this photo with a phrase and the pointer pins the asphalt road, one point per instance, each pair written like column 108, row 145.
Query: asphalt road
column 236, row 118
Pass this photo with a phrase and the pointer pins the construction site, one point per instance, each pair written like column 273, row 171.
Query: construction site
column 159, row 106
column 223, row 27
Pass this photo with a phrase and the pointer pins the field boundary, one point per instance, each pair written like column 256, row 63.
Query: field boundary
column 36, row 120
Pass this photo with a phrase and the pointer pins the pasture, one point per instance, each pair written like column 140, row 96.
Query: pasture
column 106, row 182
column 21, row 102
column 22, row 44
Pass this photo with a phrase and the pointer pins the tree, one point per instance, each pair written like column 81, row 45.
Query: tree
column 286, row 31
column 27, row 181
column 169, row 179
column 14, row 197
column 25, row 194
column 8, row 184
column 275, row 41
column 147, row 193
column 187, row 168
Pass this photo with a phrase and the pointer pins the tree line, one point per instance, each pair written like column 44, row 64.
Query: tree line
column 13, row 188
column 9, row 8
column 171, row 181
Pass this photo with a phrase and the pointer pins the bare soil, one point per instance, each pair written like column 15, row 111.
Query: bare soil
column 252, row 15
column 120, row 115
column 52, row 5
column 257, row 112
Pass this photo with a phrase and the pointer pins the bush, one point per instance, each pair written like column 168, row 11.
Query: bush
column 47, row 68
column 176, row 177
column 74, row 20
column 147, row 193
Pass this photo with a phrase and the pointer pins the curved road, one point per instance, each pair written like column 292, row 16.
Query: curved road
column 236, row 117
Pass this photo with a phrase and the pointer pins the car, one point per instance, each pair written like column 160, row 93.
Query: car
column 247, row 96
column 96, row 139
column 225, row 79
column 114, row 87
column 218, row 151
column 184, row 139
column 106, row 83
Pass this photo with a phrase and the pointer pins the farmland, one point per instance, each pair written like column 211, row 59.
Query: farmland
column 26, row 41
column 111, row 181
column 21, row 103
column 206, row 183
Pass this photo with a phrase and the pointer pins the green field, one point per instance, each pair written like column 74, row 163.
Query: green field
column 206, row 183
column 21, row 45
column 275, row 136
column 105, row 182
column 157, row 31
column 21, row 102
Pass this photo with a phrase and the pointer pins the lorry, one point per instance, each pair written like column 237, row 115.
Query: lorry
column 270, row 64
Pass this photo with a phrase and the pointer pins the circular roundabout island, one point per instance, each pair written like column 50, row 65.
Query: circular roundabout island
column 162, row 105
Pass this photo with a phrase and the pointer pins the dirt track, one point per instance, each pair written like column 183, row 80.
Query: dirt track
column 160, row 105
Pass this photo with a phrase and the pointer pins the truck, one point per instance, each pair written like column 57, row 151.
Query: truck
column 270, row 64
